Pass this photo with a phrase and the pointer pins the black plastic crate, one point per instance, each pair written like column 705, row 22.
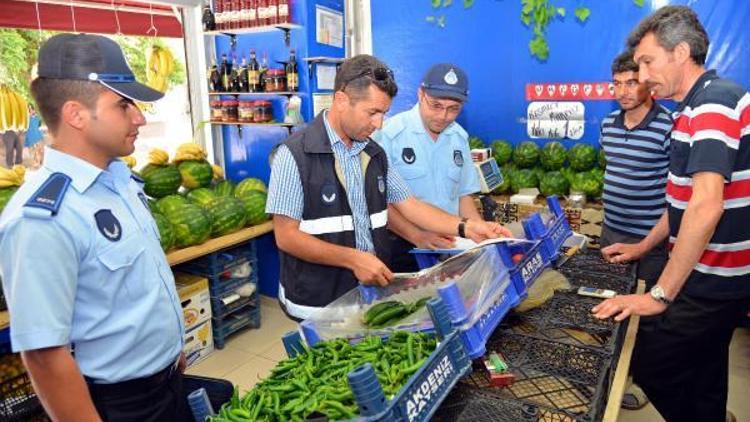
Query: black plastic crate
column 539, row 328
column 18, row 402
column 216, row 263
column 592, row 260
column 620, row 284
column 568, row 379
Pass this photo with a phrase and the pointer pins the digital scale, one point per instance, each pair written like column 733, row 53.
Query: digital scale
column 490, row 175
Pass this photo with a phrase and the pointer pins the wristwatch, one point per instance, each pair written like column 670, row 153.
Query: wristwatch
column 462, row 227
column 658, row 294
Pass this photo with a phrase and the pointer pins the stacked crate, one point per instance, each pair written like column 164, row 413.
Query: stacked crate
column 226, row 274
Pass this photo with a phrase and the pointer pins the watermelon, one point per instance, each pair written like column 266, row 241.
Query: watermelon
column 553, row 155
column 587, row 183
column 249, row 184
column 224, row 188
column 191, row 225
column 526, row 154
column 227, row 215
column 255, row 206
column 522, row 179
column 148, row 168
column 539, row 172
column 166, row 231
column 169, row 203
column 195, row 174
column 161, row 181
column 598, row 174
column 554, row 183
column 582, row 157
column 201, row 196
column 5, row 195
column 476, row 142
column 602, row 159
column 502, row 151
column 568, row 173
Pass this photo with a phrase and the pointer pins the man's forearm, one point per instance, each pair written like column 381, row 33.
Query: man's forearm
column 658, row 233
column 401, row 226
column 59, row 384
column 467, row 208
column 428, row 217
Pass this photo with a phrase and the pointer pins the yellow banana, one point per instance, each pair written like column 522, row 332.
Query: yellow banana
column 218, row 172
column 4, row 109
column 7, row 184
column 20, row 170
column 158, row 157
column 10, row 177
column 130, row 161
column 170, row 61
column 12, row 119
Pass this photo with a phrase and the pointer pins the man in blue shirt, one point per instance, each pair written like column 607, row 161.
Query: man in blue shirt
column 430, row 150
column 329, row 193
column 92, row 301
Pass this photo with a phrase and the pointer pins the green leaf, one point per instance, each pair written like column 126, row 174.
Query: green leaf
column 561, row 11
column 436, row 3
column 526, row 19
column 468, row 3
column 447, row 3
column 582, row 13
column 638, row 3
column 527, row 7
column 539, row 48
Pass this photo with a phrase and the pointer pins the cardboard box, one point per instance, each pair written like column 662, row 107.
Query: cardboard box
column 195, row 299
column 199, row 343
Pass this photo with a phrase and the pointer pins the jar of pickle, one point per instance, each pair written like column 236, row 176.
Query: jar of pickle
column 217, row 112
column 230, row 112
column 262, row 112
column 245, row 111
column 275, row 80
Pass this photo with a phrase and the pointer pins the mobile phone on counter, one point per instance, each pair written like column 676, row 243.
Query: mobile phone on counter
column 592, row 292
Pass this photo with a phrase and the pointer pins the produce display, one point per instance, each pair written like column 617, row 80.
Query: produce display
column 160, row 178
column 502, row 151
column 389, row 312
column 526, row 154
column 159, row 65
column 553, row 155
column 316, row 379
column 227, row 215
column 14, row 111
column 10, row 180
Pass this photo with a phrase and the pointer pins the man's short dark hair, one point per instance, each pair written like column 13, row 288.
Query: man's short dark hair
column 672, row 25
column 357, row 73
column 624, row 63
column 51, row 94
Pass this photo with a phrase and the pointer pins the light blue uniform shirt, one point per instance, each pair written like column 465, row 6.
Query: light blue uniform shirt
column 66, row 282
column 437, row 172
column 286, row 197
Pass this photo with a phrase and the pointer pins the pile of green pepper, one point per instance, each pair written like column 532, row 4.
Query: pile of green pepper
column 316, row 379
column 385, row 314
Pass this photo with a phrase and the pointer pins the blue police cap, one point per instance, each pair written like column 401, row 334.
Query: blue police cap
column 445, row 80
column 92, row 58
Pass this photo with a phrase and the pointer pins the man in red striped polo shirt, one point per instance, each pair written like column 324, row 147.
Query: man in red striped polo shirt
column 704, row 291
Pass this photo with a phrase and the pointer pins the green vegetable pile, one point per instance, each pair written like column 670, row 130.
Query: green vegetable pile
column 385, row 314
column 316, row 379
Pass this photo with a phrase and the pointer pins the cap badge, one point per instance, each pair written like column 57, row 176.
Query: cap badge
column 451, row 78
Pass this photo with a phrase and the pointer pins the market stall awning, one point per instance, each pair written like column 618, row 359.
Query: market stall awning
column 96, row 16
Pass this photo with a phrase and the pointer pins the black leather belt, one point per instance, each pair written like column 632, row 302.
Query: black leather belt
column 134, row 386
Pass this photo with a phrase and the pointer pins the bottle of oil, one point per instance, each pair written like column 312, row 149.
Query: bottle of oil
column 292, row 77
column 214, row 79
column 209, row 20
column 225, row 70
column 243, row 81
column 253, row 73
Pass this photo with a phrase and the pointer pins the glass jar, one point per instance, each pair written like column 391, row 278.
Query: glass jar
column 262, row 112
column 230, row 112
column 275, row 80
column 245, row 111
column 217, row 113
column 272, row 12
column 284, row 11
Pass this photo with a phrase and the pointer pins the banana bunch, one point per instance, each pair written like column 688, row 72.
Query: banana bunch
column 218, row 172
column 14, row 112
column 12, row 177
column 189, row 152
column 158, row 157
column 130, row 161
column 159, row 65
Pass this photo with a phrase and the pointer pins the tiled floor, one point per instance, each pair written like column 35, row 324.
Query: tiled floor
column 251, row 355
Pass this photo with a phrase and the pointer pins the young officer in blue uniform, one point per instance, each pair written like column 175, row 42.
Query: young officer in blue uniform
column 94, row 310
column 431, row 152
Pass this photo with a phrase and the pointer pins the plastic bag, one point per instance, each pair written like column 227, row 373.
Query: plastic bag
column 543, row 289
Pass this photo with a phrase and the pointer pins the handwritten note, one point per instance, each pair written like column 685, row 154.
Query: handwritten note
column 555, row 120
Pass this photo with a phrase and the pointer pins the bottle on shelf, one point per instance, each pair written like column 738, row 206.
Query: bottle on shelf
column 243, row 81
column 292, row 76
column 262, row 6
column 225, row 70
column 214, row 78
column 253, row 74
column 236, row 84
column 272, row 12
column 263, row 70
column 248, row 13
column 236, row 14
column 209, row 20
column 284, row 11
column 221, row 14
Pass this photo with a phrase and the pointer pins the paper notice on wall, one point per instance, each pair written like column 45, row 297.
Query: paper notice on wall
column 329, row 26
column 555, row 120
column 321, row 102
column 325, row 75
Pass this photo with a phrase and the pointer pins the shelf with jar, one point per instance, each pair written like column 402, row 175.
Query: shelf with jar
column 234, row 17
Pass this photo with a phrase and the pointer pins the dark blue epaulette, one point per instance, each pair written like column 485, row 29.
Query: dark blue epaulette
column 46, row 201
column 137, row 178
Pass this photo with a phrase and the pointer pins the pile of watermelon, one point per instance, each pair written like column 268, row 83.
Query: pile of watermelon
column 553, row 169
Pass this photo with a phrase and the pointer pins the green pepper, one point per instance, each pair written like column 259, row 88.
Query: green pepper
column 348, row 413
column 410, row 349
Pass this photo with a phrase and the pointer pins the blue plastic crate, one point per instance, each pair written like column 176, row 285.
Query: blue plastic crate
column 426, row 389
column 246, row 317
column 554, row 233
column 223, row 286
column 216, row 263
column 220, row 310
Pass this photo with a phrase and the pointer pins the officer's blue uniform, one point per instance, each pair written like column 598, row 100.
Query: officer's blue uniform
column 81, row 264
column 438, row 172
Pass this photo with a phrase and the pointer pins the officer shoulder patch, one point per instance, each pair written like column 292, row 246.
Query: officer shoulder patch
column 108, row 225
column 381, row 184
column 50, row 195
column 142, row 197
column 458, row 157
column 408, row 155
column 137, row 178
column 328, row 193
